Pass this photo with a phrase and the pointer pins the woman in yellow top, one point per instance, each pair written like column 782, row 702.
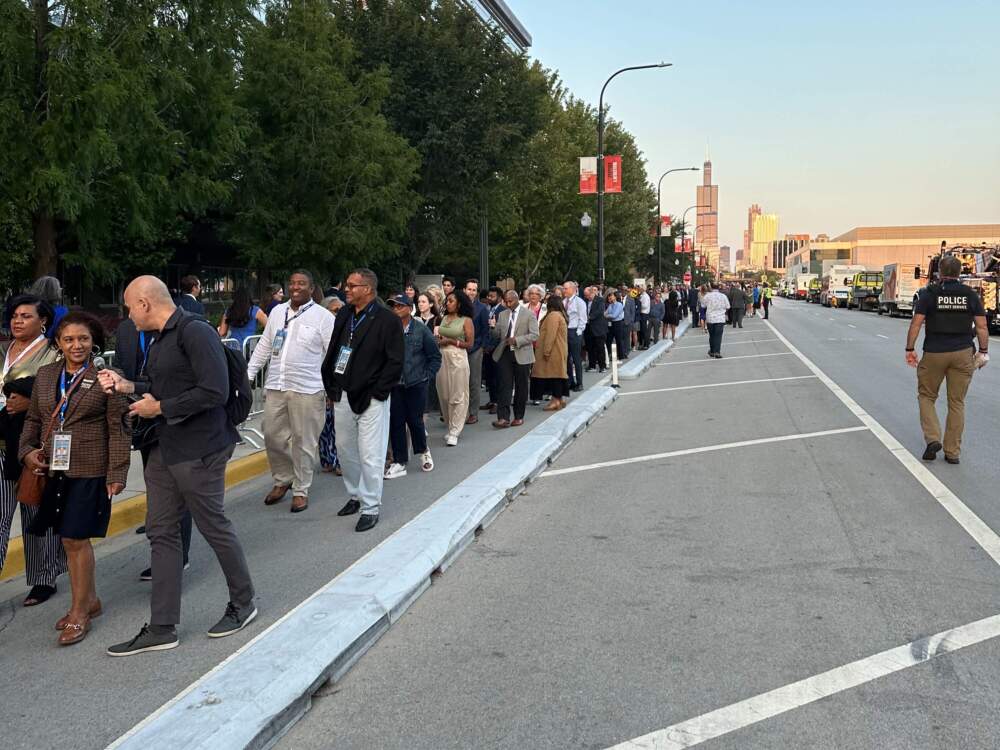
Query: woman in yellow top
column 29, row 350
column 551, row 354
column 455, row 335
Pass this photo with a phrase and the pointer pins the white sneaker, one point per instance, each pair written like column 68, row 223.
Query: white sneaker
column 426, row 462
column 450, row 440
column 394, row 471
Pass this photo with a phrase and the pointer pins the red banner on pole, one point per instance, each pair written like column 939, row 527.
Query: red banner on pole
column 588, row 174
column 612, row 174
column 665, row 225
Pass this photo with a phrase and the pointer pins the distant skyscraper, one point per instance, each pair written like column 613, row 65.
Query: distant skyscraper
column 752, row 213
column 765, row 231
column 707, row 229
column 725, row 258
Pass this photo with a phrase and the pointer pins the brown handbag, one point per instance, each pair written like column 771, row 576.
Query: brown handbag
column 31, row 486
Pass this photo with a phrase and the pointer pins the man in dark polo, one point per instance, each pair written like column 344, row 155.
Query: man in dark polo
column 186, row 390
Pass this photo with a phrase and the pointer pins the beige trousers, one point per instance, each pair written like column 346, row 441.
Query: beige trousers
column 955, row 368
column 453, row 388
column 292, row 424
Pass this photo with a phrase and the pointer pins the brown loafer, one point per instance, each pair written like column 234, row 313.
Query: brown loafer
column 472, row 419
column 488, row 407
column 277, row 494
column 299, row 503
column 95, row 611
column 501, row 424
column 74, row 632
column 516, row 422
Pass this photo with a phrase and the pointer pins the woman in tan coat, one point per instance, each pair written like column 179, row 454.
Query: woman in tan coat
column 551, row 353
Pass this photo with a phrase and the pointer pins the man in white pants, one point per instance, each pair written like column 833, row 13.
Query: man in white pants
column 293, row 347
column 363, row 363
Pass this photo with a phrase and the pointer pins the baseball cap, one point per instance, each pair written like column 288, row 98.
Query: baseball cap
column 399, row 299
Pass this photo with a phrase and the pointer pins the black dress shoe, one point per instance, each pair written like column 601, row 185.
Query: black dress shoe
column 352, row 507
column 577, row 388
column 931, row 451
column 952, row 459
column 367, row 521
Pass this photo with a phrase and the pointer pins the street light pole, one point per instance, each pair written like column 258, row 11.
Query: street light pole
column 600, row 165
column 659, row 219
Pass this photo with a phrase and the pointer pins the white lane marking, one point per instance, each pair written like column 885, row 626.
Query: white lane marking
column 703, row 449
column 973, row 524
column 735, row 343
column 851, row 325
column 881, row 335
column 701, row 361
column 715, row 385
column 775, row 702
column 831, row 318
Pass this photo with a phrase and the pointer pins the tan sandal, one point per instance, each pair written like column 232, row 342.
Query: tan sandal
column 74, row 632
column 95, row 611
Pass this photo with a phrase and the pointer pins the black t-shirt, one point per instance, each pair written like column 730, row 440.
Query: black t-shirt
column 947, row 342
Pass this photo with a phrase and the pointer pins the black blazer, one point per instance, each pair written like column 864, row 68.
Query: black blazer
column 376, row 362
column 189, row 303
column 597, row 326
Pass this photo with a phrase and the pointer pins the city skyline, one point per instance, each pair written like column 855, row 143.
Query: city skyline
column 831, row 129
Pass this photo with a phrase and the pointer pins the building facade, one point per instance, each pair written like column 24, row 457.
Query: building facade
column 765, row 231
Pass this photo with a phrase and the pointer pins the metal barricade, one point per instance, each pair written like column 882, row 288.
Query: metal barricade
column 259, row 392
column 233, row 344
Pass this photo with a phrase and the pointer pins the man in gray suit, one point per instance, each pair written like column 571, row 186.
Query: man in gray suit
column 516, row 331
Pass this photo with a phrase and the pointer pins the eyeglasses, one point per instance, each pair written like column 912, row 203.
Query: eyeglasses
column 357, row 286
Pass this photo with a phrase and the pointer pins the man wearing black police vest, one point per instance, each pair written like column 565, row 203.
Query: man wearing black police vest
column 363, row 363
column 950, row 308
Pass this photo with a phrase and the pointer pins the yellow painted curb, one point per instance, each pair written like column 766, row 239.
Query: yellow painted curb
column 130, row 513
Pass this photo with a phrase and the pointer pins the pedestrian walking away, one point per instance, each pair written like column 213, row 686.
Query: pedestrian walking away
column 953, row 315
column 293, row 347
column 187, row 390
column 716, row 304
column 421, row 362
column 515, row 333
column 738, row 302
column 363, row 363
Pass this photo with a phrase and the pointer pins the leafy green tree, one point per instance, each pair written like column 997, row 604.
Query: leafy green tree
column 118, row 123
column 326, row 182
column 465, row 101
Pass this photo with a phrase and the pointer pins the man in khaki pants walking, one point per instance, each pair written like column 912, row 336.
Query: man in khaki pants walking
column 950, row 309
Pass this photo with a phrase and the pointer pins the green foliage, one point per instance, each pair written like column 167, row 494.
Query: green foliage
column 326, row 182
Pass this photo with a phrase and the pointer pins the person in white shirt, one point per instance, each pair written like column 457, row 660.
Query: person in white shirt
column 293, row 346
column 716, row 304
column 576, row 309
column 644, row 304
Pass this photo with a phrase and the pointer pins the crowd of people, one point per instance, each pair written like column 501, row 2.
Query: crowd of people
column 349, row 382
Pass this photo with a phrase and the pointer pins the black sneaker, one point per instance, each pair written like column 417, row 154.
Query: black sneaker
column 147, row 574
column 233, row 621
column 931, row 451
column 145, row 641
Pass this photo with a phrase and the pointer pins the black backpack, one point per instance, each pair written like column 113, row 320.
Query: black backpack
column 240, row 399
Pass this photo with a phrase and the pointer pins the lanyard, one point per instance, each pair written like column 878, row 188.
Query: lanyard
column 64, row 389
column 355, row 323
column 301, row 310
column 8, row 365
column 145, row 350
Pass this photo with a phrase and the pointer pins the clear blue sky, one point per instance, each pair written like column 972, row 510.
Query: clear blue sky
column 832, row 115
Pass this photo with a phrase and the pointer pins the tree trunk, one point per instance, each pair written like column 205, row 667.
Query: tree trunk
column 46, row 255
column 44, row 225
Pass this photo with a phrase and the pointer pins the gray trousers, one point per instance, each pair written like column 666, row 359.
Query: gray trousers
column 475, row 380
column 199, row 486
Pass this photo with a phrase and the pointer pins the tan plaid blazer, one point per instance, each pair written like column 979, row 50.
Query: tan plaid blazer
column 101, row 443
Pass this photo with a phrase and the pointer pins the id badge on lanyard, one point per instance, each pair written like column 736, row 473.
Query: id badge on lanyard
column 62, row 443
column 278, row 343
column 343, row 357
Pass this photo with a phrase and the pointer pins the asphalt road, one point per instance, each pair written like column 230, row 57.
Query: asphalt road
column 628, row 591
column 80, row 696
